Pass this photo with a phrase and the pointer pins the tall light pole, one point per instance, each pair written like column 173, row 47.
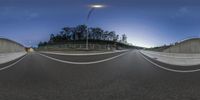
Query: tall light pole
column 93, row 7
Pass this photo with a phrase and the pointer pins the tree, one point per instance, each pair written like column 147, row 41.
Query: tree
column 124, row 38
column 97, row 33
column 52, row 38
column 63, row 36
column 67, row 33
column 73, row 35
column 80, row 32
column 111, row 35
column 40, row 44
column 106, row 35
column 116, row 38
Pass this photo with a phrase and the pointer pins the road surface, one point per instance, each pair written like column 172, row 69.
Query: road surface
column 128, row 77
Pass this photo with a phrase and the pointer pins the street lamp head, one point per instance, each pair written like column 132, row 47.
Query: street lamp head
column 97, row 6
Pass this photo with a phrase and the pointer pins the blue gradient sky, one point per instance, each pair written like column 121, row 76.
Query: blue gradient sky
column 146, row 22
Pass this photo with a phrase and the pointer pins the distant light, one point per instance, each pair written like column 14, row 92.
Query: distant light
column 97, row 6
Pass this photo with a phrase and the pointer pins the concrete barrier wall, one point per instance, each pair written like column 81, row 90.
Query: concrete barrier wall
column 174, row 58
column 7, row 46
column 187, row 46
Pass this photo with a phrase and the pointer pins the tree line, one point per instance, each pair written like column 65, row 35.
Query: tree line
column 80, row 32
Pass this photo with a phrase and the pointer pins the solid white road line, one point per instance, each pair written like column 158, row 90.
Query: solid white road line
column 88, row 54
column 168, row 69
column 6, row 67
column 82, row 63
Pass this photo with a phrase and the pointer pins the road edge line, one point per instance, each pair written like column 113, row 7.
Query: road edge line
column 88, row 54
column 168, row 69
column 82, row 63
column 8, row 66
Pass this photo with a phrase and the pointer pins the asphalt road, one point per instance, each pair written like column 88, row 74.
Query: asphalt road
column 128, row 77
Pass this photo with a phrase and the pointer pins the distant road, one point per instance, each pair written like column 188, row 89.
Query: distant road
column 126, row 77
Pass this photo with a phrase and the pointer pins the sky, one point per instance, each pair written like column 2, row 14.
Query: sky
column 147, row 23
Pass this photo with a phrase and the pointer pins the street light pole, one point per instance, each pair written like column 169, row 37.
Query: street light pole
column 93, row 7
column 88, row 17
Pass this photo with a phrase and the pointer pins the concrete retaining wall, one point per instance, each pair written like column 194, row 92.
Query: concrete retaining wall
column 187, row 46
column 7, row 45
column 76, row 46
column 174, row 58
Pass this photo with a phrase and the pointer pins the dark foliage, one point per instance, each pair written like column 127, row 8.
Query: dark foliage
column 80, row 32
